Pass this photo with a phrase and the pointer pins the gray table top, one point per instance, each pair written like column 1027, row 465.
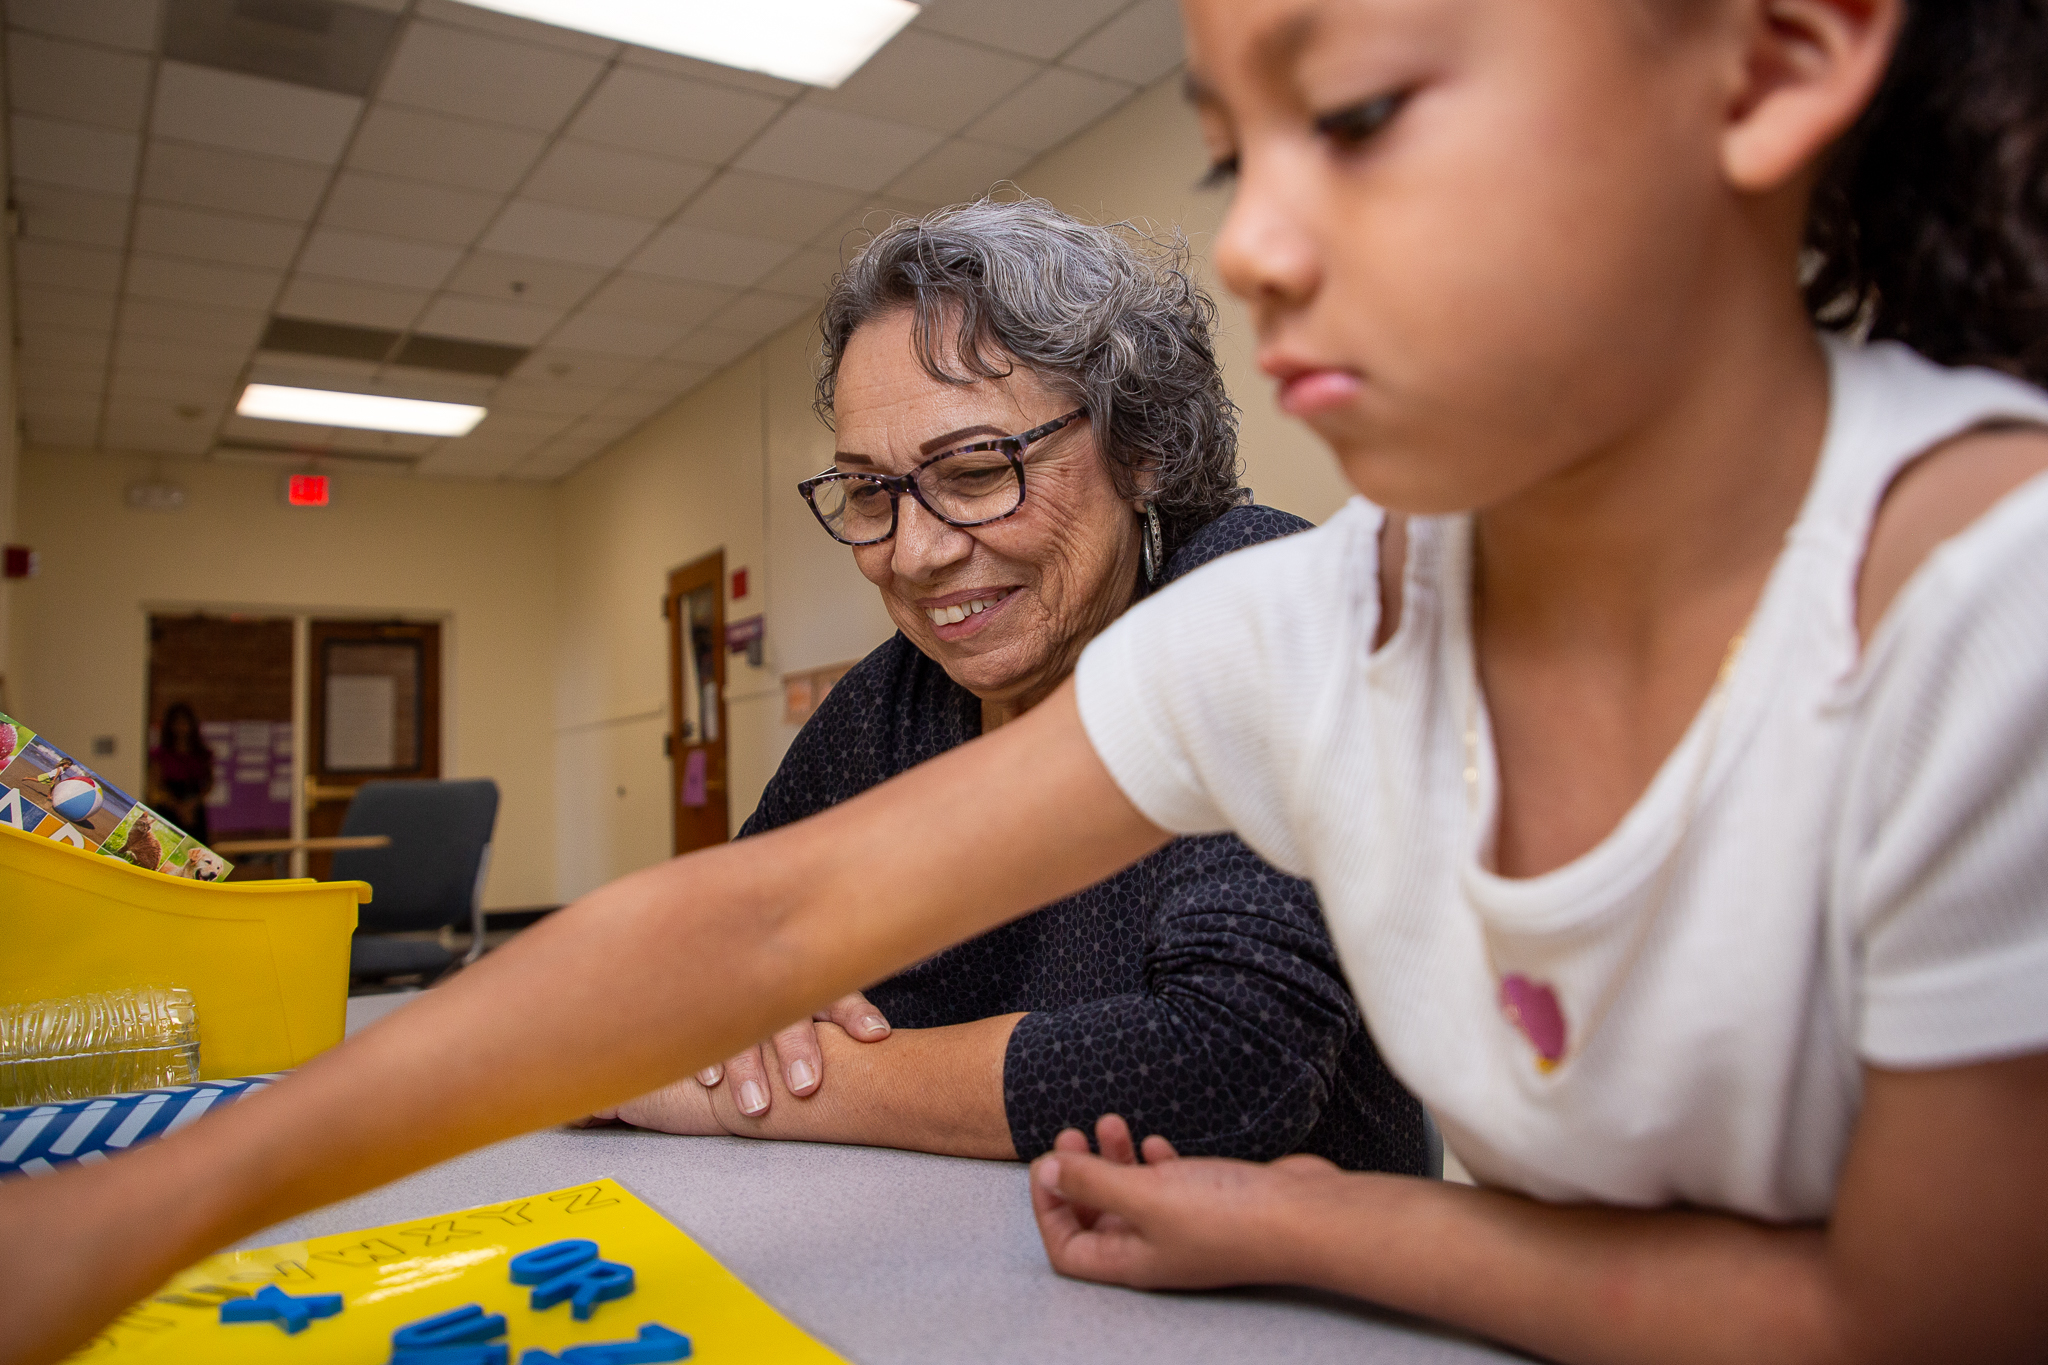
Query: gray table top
column 895, row 1256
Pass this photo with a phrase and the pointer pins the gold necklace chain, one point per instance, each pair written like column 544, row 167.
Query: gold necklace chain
column 1531, row 1005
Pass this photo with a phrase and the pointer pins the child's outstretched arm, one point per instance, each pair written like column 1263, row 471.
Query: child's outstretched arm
column 585, row 1010
column 1936, row 1250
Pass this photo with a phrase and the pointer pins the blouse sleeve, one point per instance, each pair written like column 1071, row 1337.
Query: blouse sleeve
column 1231, row 1049
column 1945, row 877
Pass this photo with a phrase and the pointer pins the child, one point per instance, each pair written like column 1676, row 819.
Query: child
column 1677, row 803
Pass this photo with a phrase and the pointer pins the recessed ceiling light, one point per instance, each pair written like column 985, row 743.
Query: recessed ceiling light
column 368, row 411
column 818, row 42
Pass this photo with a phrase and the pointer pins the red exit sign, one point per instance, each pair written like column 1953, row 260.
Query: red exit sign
column 306, row 490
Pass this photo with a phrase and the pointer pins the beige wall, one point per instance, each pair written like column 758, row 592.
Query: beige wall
column 559, row 656
column 481, row 556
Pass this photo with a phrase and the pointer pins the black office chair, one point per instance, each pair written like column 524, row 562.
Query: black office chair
column 430, row 877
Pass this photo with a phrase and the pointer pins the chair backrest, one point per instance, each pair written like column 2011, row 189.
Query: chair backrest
column 440, row 836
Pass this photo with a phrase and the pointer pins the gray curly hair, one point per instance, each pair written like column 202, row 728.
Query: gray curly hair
column 1107, row 316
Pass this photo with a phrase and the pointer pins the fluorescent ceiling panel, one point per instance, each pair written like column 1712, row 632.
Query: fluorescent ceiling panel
column 818, row 42
column 366, row 411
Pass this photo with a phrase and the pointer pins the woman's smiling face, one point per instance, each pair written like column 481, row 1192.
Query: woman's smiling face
column 1005, row 608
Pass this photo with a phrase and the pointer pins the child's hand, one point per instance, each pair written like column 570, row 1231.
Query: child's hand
column 1174, row 1222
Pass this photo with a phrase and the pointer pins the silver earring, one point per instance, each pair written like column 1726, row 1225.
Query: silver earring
column 1153, row 548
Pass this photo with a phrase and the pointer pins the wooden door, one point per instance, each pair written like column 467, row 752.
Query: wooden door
column 695, row 608
column 232, row 675
column 373, row 712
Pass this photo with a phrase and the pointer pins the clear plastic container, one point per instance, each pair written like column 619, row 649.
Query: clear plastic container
column 105, row 1043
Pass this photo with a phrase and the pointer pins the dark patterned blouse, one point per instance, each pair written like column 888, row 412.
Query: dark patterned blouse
column 1195, row 993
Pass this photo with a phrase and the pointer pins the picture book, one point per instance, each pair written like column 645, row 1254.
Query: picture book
column 45, row 791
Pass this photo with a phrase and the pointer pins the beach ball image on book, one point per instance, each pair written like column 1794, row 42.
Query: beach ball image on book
column 75, row 798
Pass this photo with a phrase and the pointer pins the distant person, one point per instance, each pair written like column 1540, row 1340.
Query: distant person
column 181, row 771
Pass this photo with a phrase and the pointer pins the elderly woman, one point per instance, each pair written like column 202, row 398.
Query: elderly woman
column 1033, row 433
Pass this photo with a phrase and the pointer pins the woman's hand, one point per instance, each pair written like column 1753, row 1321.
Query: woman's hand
column 1174, row 1222
column 796, row 1047
column 681, row 1107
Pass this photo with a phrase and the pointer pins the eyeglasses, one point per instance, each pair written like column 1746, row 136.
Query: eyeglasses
column 970, row 485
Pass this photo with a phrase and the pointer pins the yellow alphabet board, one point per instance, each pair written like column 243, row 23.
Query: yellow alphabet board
column 391, row 1276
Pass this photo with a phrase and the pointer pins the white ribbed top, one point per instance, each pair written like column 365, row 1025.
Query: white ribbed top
column 1848, row 865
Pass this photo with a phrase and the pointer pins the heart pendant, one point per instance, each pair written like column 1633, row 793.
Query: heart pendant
column 1532, row 1007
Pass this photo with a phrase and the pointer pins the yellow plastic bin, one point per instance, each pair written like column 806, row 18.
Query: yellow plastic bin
column 266, row 962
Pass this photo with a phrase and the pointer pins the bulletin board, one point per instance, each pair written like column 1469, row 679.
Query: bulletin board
column 391, row 1276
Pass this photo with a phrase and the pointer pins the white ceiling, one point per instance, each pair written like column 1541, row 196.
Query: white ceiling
column 639, row 220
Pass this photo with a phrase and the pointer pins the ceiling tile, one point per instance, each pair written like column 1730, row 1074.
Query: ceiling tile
column 578, row 369
column 758, row 312
column 553, row 401
column 1050, row 109
column 959, row 170
column 445, row 151
column 501, row 425
column 72, row 81
column 1044, row 28
column 45, row 343
column 524, row 279
column 434, row 385
column 683, row 120
column 612, row 180
column 1140, row 45
column 153, row 354
column 221, row 329
column 67, row 266
column 849, row 150
column 55, row 214
column 709, row 346
column 61, row 431
column 611, row 334
column 129, row 24
column 510, row 26
column 73, row 155
column 690, row 253
column 653, row 299
column 313, row 371
column 376, row 260
column 191, row 389
column 412, row 209
column 365, row 305
column 633, row 405
column 83, row 406
column 170, row 230
column 876, row 212
column 72, row 309
column 676, row 64
column 670, row 377
column 61, row 378
column 175, row 413
column 808, row 273
column 155, row 437
column 210, row 178
column 767, row 206
column 162, row 277
column 381, row 442
column 555, row 233
column 251, row 114
column 510, row 324
column 460, row 71
column 929, row 81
